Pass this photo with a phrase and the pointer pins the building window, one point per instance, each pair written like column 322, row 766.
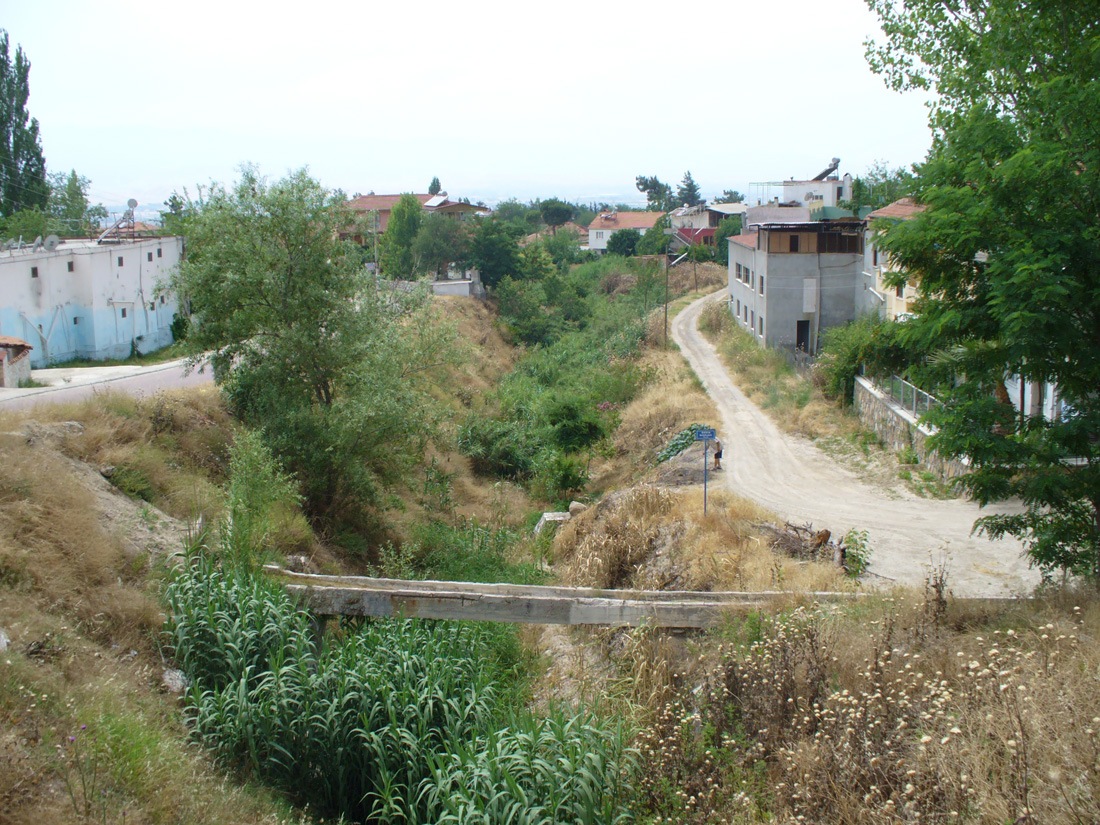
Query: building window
column 150, row 257
column 120, row 260
column 794, row 243
column 752, row 323
column 162, row 300
column 760, row 325
column 761, row 284
column 160, row 252
column 76, row 321
column 153, row 306
column 737, row 272
column 34, row 271
column 124, row 312
column 71, row 266
column 899, row 290
column 874, row 256
column 745, row 313
column 738, row 313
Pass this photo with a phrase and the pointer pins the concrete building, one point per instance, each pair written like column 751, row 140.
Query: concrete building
column 790, row 281
column 876, row 296
column 89, row 299
column 607, row 224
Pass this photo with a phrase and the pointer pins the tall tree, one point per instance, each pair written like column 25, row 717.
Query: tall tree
column 624, row 242
column 22, row 168
column 687, row 193
column 398, row 258
column 555, row 213
column 306, row 346
column 730, row 196
column 435, row 187
column 658, row 195
column 879, row 186
column 494, row 252
column 440, row 242
column 727, row 228
column 69, row 205
column 1006, row 257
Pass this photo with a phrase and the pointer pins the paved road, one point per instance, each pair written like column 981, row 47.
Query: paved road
column 794, row 478
column 66, row 385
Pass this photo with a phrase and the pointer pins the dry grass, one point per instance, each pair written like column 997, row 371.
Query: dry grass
column 899, row 709
column 792, row 402
column 654, row 538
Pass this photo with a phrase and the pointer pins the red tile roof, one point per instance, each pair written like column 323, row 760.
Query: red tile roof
column 381, row 203
column 899, row 210
column 626, row 220
column 746, row 239
column 9, row 341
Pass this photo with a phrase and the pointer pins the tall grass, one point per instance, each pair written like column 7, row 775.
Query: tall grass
column 380, row 723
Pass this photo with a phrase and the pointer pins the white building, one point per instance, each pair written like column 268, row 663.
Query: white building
column 608, row 223
column 87, row 299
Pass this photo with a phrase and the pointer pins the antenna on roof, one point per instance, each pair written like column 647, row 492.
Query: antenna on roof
column 37, row 244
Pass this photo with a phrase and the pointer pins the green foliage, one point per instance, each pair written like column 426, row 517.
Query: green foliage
column 468, row 551
column 257, row 488
column 878, row 187
column 382, row 724
column 555, row 212
column 857, row 553
column 69, row 208
column 730, row 196
column 398, row 257
column 307, row 347
column 655, row 241
column 687, row 193
column 23, row 183
column 624, row 242
column 658, row 195
column 1006, row 256
column 28, row 224
column 440, row 242
column 869, row 343
column 727, row 227
column 508, row 449
column 435, row 187
column 679, row 442
column 494, row 252
column 564, row 248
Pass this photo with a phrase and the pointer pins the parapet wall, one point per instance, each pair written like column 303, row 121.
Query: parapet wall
column 899, row 429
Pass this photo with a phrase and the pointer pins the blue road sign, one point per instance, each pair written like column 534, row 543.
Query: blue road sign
column 704, row 435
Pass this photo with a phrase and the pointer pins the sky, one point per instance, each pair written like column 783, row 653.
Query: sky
column 497, row 99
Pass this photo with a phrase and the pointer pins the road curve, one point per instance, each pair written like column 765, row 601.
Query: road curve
column 794, row 478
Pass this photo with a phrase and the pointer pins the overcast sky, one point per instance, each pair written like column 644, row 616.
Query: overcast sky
column 497, row 99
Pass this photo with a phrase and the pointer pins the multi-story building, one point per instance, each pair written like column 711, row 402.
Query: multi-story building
column 89, row 299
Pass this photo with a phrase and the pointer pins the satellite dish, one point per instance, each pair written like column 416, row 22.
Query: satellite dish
column 37, row 244
column 131, row 203
column 51, row 242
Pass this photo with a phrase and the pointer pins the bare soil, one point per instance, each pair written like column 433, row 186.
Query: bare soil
column 801, row 483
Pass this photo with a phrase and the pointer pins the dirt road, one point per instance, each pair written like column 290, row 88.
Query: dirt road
column 791, row 476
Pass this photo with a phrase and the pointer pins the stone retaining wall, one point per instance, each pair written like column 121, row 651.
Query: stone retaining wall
column 899, row 430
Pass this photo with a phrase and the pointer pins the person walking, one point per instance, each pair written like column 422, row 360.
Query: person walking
column 717, row 454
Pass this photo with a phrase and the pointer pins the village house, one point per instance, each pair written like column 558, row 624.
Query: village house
column 608, row 223
column 93, row 299
column 15, row 362
column 376, row 210
column 890, row 302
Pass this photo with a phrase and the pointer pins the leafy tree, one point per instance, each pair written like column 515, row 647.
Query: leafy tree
column 22, row 167
column 306, row 346
column 398, row 258
column 555, row 213
column 658, row 195
column 440, row 242
column 174, row 213
column 435, row 187
column 564, row 248
column 69, row 207
column 655, row 241
column 28, row 224
column 1006, row 256
column 535, row 262
column 623, row 242
column 687, row 193
column 727, row 227
column 878, row 187
column 493, row 250
column 730, row 196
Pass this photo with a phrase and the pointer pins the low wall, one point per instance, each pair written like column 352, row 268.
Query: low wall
column 899, row 429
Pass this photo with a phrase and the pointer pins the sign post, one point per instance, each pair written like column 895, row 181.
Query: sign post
column 706, row 436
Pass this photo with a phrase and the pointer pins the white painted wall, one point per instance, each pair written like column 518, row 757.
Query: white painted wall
column 89, row 300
